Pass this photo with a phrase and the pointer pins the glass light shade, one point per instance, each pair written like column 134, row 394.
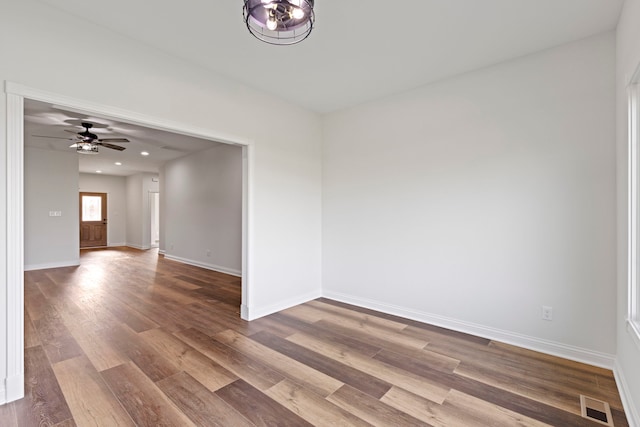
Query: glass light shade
column 298, row 13
column 86, row 148
column 280, row 22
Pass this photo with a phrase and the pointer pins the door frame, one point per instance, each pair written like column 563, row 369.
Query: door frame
column 16, row 94
column 152, row 209
column 103, row 214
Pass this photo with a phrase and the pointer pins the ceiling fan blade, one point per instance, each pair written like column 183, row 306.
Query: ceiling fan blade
column 52, row 137
column 74, row 145
column 113, row 147
column 69, row 130
column 114, row 140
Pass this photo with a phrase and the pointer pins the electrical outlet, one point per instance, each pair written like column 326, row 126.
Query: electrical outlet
column 547, row 312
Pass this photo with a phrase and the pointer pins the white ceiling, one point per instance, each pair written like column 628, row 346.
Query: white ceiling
column 359, row 50
column 46, row 127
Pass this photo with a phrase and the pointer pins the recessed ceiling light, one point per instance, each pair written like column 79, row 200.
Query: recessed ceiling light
column 98, row 171
column 144, row 153
column 118, row 164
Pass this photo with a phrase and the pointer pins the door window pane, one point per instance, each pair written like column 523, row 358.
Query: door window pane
column 91, row 208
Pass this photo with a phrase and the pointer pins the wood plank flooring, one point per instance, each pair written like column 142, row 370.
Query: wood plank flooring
column 129, row 338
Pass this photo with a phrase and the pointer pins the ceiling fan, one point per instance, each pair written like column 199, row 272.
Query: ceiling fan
column 88, row 142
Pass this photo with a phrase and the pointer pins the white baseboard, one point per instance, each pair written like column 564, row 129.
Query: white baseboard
column 161, row 251
column 115, row 245
column 219, row 268
column 577, row 354
column 134, row 246
column 631, row 410
column 14, row 389
column 253, row 313
column 244, row 312
column 31, row 267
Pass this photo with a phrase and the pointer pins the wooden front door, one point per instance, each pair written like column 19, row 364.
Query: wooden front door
column 93, row 219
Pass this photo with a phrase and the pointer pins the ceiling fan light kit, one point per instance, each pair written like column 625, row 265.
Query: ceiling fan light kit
column 279, row 22
column 86, row 148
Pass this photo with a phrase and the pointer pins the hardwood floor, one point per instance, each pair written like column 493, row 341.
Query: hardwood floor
column 129, row 338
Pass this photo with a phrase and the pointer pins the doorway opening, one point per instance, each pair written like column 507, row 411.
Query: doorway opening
column 93, row 219
column 16, row 94
column 154, row 221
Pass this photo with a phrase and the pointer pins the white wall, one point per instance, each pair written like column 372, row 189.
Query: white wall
column 285, row 167
column 138, row 210
column 134, row 211
column 163, row 209
column 50, row 184
column 150, row 184
column 203, row 211
column 115, row 187
column 39, row 49
column 474, row 201
column 628, row 59
column 154, row 205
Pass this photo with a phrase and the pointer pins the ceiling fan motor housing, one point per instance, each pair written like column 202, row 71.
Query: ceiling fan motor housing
column 86, row 135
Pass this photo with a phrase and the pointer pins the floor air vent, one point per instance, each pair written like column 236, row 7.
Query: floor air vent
column 596, row 410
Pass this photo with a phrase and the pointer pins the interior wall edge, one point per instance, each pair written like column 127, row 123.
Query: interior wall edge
column 14, row 310
column 632, row 412
column 577, row 354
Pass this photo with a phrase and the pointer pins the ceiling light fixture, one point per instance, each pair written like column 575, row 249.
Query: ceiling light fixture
column 281, row 22
column 86, row 148
column 98, row 171
column 144, row 153
column 118, row 164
